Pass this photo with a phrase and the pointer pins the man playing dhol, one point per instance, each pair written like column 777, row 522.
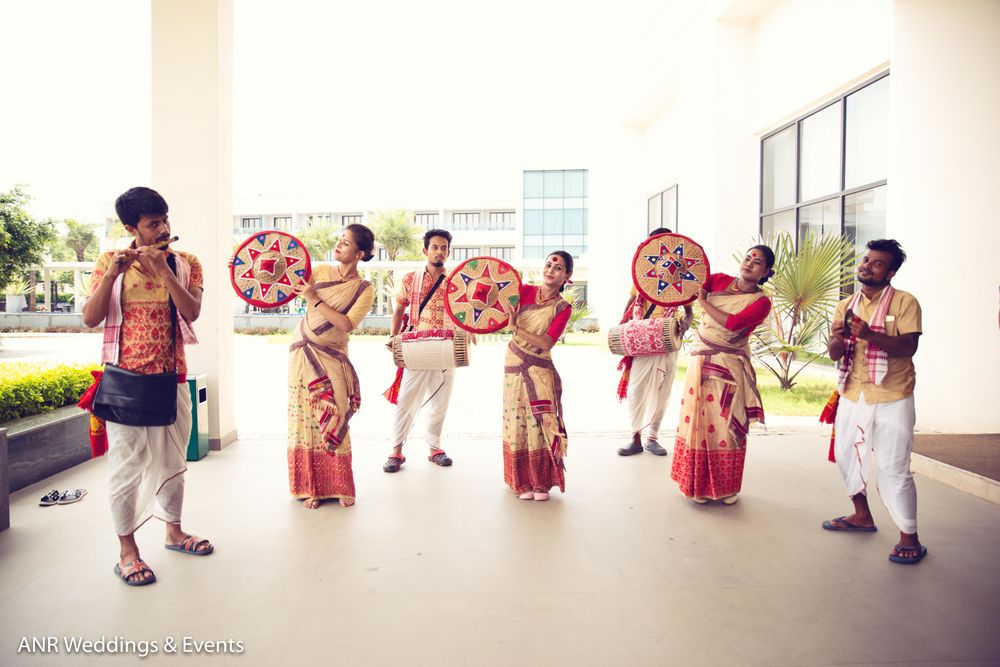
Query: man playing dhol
column 648, row 379
column 419, row 307
column 875, row 335
column 132, row 292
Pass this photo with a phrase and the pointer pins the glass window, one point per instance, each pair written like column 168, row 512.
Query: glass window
column 505, row 253
column 662, row 210
column 864, row 216
column 777, row 223
column 251, row 223
column 559, row 209
column 867, row 135
column 534, row 252
column 573, row 184
column 553, row 184
column 779, row 169
column 461, row 254
column 819, row 165
column 820, row 219
column 284, row 223
column 533, row 184
column 533, row 222
column 669, row 209
column 426, row 220
column 654, row 212
column 574, row 221
column 501, row 220
column 840, row 148
column 554, row 221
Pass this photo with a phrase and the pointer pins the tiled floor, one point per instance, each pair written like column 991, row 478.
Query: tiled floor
column 446, row 567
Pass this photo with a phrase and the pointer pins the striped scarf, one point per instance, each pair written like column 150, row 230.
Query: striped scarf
column 876, row 358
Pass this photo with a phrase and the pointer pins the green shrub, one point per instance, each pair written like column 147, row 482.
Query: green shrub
column 29, row 388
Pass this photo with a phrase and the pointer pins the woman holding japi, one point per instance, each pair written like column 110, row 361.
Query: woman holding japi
column 720, row 398
column 534, row 435
column 323, row 388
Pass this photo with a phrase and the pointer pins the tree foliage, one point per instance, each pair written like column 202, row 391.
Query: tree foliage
column 319, row 239
column 395, row 231
column 82, row 240
column 23, row 240
column 804, row 290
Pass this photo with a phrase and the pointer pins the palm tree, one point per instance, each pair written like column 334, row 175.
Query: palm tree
column 804, row 290
column 580, row 309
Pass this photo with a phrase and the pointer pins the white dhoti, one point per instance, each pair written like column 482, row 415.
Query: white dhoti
column 147, row 469
column 887, row 430
column 649, row 385
column 418, row 388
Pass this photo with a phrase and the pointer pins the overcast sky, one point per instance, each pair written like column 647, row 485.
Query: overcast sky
column 379, row 98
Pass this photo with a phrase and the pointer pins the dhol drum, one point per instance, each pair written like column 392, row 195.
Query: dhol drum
column 433, row 349
column 637, row 338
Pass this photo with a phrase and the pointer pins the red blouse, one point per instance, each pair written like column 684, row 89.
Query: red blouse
column 749, row 317
column 529, row 294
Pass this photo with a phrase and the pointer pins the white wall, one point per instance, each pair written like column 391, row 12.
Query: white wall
column 740, row 69
column 943, row 185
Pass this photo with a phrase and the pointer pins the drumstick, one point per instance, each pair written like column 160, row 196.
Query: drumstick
column 163, row 245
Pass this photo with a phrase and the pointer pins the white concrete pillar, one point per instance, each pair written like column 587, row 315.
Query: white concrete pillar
column 943, row 184
column 192, row 156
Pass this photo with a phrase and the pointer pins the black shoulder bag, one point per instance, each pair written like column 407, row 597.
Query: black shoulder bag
column 135, row 399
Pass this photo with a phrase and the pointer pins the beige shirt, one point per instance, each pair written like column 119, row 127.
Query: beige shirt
column 903, row 318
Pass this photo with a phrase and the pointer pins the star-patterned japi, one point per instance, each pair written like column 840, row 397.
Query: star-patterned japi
column 671, row 268
column 479, row 293
column 268, row 266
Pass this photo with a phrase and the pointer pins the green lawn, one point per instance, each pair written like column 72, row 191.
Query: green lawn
column 805, row 399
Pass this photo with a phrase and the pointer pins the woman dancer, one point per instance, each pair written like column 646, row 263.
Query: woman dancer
column 323, row 388
column 534, row 436
column 720, row 398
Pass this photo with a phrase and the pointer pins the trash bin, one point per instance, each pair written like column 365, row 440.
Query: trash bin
column 198, row 442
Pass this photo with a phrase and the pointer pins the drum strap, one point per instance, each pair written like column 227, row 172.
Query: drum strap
column 430, row 295
column 649, row 312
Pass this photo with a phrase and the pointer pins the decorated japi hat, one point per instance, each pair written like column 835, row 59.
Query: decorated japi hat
column 476, row 290
column 266, row 266
column 669, row 269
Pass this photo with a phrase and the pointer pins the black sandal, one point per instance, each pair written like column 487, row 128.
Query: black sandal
column 50, row 498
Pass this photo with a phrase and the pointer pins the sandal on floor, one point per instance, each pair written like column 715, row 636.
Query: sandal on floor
column 527, row 495
column 540, row 495
column 135, row 570
column 847, row 527
column 190, row 544
column 73, row 496
column 50, row 498
column 394, row 463
column 653, row 447
column 440, row 458
column 908, row 560
column 633, row 448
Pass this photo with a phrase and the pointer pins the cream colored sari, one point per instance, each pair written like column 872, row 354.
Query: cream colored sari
column 323, row 391
column 719, row 403
column 533, row 450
